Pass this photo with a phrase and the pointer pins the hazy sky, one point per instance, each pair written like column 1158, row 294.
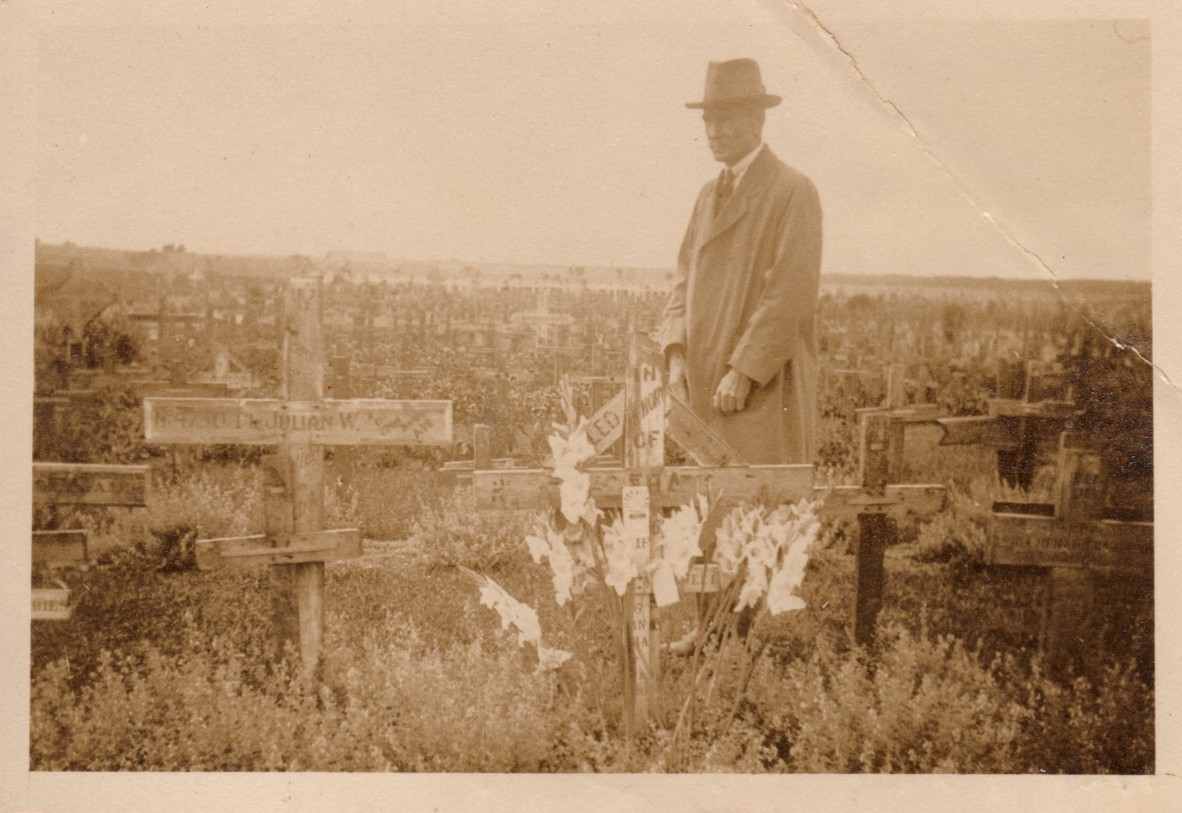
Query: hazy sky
column 536, row 136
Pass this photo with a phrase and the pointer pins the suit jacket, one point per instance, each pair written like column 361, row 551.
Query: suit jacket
column 745, row 296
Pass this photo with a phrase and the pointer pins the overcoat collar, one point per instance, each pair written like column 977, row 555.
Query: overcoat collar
column 735, row 207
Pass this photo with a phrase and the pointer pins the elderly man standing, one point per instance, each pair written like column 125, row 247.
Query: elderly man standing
column 739, row 331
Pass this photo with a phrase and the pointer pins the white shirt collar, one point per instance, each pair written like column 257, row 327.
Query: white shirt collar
column 742, row 165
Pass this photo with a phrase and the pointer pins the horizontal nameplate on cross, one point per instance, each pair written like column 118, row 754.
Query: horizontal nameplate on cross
column 1040, row 541
column 914, row 413
column 89, row 484
column 606, row 426
column 1059, row 410
column 849, row 501
column 1001, row 432
column 259, row 549
column 51, row 604
column 59, row 548
column 265, row 422
column 702, row 578
column 386, row 371
column 233, row 380
column 705, row 446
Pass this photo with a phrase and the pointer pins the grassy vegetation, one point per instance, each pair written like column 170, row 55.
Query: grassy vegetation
column 162, row 665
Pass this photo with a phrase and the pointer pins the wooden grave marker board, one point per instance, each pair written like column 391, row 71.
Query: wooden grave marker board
column 92, row 484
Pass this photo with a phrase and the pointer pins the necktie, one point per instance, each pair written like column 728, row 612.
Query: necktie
column 726, row 183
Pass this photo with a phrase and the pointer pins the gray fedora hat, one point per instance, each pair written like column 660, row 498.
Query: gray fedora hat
column 734, row 82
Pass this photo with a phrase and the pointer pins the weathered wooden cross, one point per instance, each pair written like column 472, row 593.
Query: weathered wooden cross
column 644, row 414
column 881, row 444
column 301, row 423
column 92, row 484
column 1071, row 539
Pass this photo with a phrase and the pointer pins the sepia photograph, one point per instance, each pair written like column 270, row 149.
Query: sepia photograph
column 745, row 388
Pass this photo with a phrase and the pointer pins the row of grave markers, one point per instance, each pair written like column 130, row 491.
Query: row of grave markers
column 303, row 422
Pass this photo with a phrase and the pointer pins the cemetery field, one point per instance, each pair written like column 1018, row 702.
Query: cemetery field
column 310, row 521
column 164, row 667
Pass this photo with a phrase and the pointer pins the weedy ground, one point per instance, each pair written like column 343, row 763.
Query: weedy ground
column 164, row 667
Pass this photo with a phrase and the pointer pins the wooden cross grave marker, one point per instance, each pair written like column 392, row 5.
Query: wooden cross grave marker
column 644, row 415
column 1067, row 537
column 92, row 484
column 881, row 444
column 1071, row 539
column 300, row 424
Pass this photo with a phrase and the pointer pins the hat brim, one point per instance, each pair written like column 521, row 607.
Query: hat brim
column 764, row 100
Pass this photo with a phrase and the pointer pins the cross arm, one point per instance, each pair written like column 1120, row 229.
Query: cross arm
column 90, row 484
column 267, row 422
column 677, row 485
column 59, row 548
column 1041, row 541
column 259, row 549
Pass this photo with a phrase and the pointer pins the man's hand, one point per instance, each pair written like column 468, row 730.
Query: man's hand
column 732, row 392
column 678, row 383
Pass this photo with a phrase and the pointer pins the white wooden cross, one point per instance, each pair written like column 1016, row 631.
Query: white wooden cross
column 644, row 415
column 300, row 424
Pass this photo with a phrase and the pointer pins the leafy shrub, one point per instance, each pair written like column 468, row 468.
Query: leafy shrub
column 927, row 706
column 177, row 547
column 958, row 531
column 386, row 501
column 213, row 501
column 388, row 702
column 1100, row 725
column 453, row 532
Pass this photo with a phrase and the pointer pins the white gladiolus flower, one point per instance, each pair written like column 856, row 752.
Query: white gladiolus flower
column 677, row 540
column 519, row 616
column 754, row 586
column 624, row 560
column 513, row 613
column 570, row 559
column 570, row 451
column 773, row 547
column 781, row 594
column 539, row 546
column 728, row 550
column 562, row 565
column 574, row 491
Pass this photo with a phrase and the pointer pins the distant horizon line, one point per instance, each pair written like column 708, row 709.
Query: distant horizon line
column 643, row 268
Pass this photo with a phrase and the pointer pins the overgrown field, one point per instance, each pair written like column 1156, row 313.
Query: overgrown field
column 167, row 668
column 164, row 667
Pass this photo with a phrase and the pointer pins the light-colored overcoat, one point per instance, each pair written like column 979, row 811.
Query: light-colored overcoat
column 745, row 296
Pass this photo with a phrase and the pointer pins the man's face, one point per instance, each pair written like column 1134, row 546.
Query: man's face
column 732, row 131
